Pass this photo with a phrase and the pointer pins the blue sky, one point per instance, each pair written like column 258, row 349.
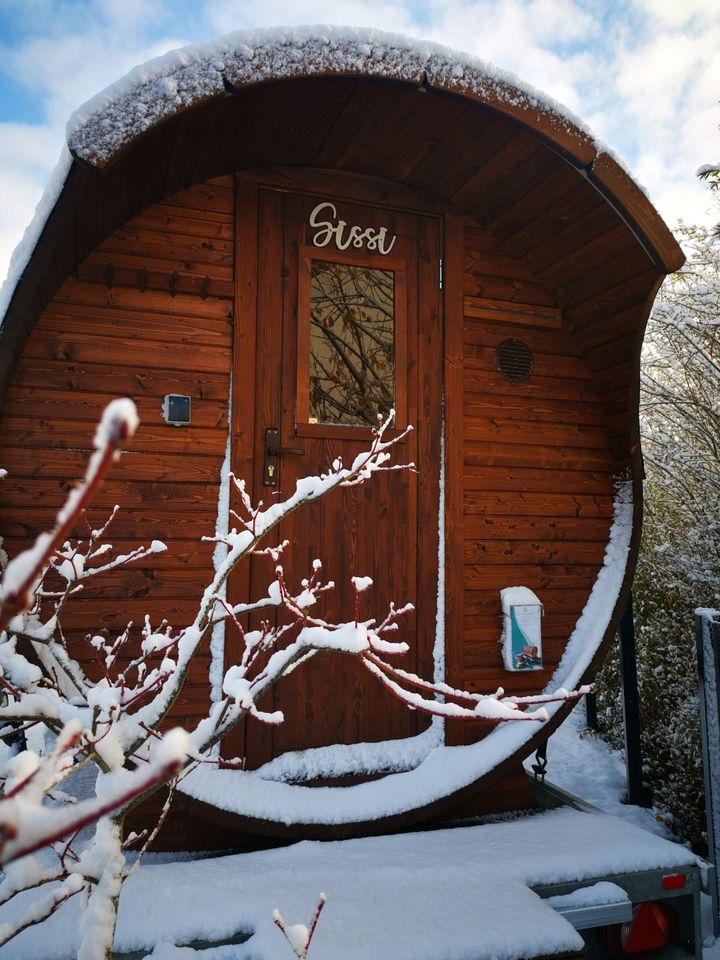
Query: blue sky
column 643, row 74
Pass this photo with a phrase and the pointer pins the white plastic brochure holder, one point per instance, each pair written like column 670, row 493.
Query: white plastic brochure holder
column 522, row 634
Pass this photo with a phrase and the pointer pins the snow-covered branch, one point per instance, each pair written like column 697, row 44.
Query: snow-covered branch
column 21, row 575
column 114, row 718
column 27, row 824
column 298, row 935
column 680, row 407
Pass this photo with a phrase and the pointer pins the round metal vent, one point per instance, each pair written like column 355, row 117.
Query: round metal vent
column 514, row 360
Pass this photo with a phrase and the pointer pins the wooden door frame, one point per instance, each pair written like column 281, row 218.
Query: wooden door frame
column 450, row 233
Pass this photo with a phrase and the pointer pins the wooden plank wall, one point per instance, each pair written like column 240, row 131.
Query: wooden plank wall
column 537, row 467
column 573, row 243
column 148, row 313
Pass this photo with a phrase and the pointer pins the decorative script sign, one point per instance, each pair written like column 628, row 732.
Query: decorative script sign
column 345, row 235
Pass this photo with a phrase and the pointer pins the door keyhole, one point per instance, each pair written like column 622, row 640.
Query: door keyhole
column 270, row 458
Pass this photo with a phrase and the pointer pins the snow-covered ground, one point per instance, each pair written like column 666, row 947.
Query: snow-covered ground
column 396, row 896
column 581, row 762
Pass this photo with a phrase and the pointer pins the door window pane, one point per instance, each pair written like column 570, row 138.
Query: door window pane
column 352, row 343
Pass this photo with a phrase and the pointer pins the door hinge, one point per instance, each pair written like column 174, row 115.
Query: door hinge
column 441, row 273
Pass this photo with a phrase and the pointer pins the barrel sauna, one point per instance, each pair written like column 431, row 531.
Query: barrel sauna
column 214, row 210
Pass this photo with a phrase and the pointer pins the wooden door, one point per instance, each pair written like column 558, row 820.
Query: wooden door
column 348, row 325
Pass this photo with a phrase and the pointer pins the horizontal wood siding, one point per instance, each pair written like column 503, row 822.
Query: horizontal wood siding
column 149, row 312
column 537, row 486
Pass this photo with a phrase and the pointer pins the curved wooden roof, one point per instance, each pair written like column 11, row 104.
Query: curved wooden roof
column 156, row 91
column 313, row 97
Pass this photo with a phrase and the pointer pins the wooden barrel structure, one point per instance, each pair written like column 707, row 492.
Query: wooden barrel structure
column 212, row 208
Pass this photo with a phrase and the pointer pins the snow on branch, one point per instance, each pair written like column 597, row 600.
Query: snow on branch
column 43, row 908
column 117, row 426
column 297, row 934
column 26, row 824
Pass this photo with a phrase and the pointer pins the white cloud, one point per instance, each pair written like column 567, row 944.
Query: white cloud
column 677, row 14
column 27, row 156
column 71, row 52
column 228, row 15
column 69, row 70
column 657, row 103
column 130, row 14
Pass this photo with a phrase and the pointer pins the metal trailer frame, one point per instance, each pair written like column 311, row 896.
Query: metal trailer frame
column 707, row 635
column 642, row 886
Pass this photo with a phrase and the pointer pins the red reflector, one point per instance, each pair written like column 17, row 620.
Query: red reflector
column 649, row 929
column 673, row 880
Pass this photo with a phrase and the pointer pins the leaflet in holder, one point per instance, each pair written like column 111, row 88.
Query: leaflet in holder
column 522, row 634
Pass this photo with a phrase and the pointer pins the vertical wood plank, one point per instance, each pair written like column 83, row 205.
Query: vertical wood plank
column 242, row 414
column 265, row 358
column 454, row 453
column 428, row 425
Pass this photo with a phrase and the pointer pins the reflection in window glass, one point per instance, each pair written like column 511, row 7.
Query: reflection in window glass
column 352, row 357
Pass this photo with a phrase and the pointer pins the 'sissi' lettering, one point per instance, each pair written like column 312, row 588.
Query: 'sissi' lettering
column 346, row 236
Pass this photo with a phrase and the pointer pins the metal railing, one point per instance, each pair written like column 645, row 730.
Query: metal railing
column 707, row 632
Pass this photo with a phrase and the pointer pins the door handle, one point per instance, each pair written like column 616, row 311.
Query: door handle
column 279, row 451
column 271, row 455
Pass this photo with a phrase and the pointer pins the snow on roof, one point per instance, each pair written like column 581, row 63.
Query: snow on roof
column 443, row 770
column 181, row 78
column 462, row 893
column 23, row 251
column 159, row 88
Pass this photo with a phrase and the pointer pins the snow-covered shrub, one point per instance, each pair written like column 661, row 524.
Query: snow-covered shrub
column 679, row 563
column 664, row 596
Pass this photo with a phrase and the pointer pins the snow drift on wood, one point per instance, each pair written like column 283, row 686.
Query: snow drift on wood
column 24, row 250
column 444, row 770
column 182, row 78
